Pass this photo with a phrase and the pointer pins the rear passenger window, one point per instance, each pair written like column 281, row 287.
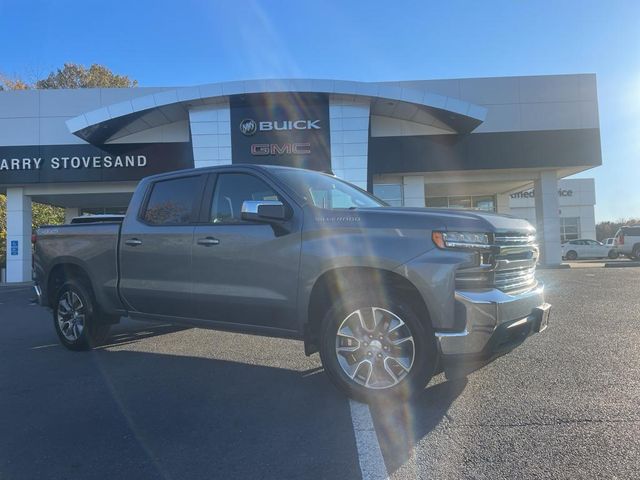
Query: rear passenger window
column 232, row 189
column 171, row 201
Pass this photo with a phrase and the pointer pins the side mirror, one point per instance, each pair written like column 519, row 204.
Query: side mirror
column 263, row 210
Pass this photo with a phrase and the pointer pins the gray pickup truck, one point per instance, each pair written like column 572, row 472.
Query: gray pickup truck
column 387, row 296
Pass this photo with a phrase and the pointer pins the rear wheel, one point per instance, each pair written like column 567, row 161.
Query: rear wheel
column 374, row 349
column 635, row 253
column 571, row 255
column 75, row 319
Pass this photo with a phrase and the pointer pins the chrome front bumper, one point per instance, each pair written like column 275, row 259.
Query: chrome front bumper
column 490, row 312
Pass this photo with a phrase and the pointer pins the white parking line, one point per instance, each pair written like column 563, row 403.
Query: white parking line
column 369, row 454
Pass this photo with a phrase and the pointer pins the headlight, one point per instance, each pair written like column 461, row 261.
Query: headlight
column 460, row 239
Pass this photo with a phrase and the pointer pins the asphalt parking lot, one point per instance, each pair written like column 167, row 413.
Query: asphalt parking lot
column 173, row 403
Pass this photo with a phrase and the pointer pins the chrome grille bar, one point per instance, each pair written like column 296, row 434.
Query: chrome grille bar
column 511, row 266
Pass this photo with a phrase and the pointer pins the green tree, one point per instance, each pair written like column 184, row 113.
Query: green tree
column 608, row 229
column 70, row 75
column 8, row 83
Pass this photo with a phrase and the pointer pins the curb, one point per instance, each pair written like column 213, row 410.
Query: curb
column 621, row 264
column 561, row 266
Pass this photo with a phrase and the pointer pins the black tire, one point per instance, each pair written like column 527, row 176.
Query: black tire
column 93, row 332
column 635, row 253
column 613, row 254
column 425, row 356
column 571, row 255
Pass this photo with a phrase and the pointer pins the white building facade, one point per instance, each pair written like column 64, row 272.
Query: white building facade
column 576, row 202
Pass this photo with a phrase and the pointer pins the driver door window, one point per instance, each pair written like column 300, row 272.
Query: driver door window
column 231, row 190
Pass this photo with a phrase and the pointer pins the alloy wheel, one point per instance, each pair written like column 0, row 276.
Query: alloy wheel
column 375, row 348
column 71, row 316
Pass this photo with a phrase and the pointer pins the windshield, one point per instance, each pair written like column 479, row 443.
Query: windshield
column 325, row 191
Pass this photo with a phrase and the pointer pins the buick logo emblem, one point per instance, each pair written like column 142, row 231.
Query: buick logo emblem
column 248, row 127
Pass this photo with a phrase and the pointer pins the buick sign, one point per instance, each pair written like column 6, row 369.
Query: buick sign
column 248, row 127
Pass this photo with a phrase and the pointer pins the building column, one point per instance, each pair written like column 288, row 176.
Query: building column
column 413, row 191
column 70, row 213
column 18, row 235
column 548, row 218
column 349, row 137
column 211, row 134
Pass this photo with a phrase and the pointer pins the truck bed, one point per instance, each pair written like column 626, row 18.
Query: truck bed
column 91, row 246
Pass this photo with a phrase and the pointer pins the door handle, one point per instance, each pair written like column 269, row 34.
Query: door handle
column 133, row 242
column 208, row 242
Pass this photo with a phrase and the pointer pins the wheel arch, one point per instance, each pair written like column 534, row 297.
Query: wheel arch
column 63, row 271
column 334, row 282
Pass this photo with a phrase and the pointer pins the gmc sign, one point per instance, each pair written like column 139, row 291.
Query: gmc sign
column 280, row 149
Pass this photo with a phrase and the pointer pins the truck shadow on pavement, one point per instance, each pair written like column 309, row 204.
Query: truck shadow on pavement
column 124, row 334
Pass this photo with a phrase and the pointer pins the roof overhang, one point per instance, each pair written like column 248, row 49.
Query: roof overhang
column 149, row 111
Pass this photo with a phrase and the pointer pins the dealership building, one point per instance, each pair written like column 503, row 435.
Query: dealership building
column 483, row 143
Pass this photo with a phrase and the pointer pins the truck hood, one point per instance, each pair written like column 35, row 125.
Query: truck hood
column 452, row 220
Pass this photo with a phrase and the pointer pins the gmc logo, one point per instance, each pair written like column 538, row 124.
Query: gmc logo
column 280, row 149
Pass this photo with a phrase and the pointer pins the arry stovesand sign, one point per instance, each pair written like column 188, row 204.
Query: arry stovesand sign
column 91, row 163
column 97, row 161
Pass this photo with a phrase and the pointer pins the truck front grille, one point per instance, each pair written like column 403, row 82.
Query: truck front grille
column 509, row 264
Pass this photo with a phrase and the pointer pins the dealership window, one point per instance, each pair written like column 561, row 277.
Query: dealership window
column 390, row 193
column 486, row 202
column 569, row 228
column 437, row 202
column 171, row 201
column 480, row 202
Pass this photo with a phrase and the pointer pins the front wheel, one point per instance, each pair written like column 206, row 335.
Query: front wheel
column 613, row 254
column 571, row 255
column 75, row 319
column 374, row 349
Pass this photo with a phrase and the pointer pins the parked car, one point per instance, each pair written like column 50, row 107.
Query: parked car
column 628, row 241
column 385, row 294
column 586, row 248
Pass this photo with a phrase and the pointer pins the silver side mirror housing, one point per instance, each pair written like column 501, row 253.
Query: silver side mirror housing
column 263, row 210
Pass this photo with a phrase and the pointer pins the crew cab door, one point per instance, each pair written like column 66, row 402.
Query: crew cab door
column 156, row 246
column 245, row 272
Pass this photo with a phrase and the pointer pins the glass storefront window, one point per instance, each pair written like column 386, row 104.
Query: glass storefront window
column 437, row 202
column 481, row 202
column 390, row 193
column 460, row 202
column 569, row 229
column 486, row 203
